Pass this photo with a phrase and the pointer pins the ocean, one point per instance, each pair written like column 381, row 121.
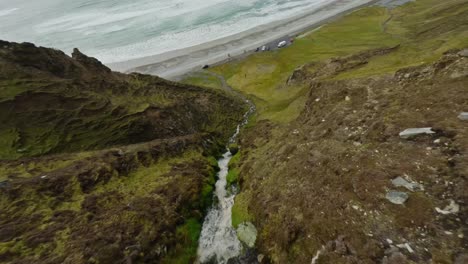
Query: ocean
column 115, row 31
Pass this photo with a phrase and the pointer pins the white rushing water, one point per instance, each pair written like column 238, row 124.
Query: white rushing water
column 218, row 238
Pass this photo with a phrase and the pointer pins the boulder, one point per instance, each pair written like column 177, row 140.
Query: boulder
column 396, row 197
column 412, row 132
column 247, row 233
column 463, row 53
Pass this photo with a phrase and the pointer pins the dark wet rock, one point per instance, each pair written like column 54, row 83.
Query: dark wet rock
column 396, row 197
column 413, row 132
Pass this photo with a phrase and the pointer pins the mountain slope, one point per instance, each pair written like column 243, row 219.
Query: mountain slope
column 51, row 103
column 102, row 167
column 323, row 152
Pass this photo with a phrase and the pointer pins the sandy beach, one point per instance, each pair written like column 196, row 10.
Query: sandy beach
column 176, row 63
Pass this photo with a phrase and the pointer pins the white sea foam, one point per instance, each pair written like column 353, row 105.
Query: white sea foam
column 129, row 29
column 7, row 11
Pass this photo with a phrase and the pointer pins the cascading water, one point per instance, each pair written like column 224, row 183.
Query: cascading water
column 218, row 240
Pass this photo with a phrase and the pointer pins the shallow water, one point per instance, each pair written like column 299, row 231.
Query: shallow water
column 116, row 31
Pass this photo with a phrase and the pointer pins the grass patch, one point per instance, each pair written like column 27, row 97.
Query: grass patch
column 264, row 75
column 203, row 79
column 186, row 250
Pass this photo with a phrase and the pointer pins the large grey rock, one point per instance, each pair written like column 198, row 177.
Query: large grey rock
column 412, row 186
column 463, row 53
column 396, row 197
column 247, row 233
column 463, row 116
column 412, row 132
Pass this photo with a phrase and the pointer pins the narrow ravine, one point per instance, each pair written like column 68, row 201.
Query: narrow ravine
column 218, row 240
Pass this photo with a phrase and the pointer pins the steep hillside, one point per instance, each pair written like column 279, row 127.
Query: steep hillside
column 51, row 103
column 102, row 167
column 322, row 163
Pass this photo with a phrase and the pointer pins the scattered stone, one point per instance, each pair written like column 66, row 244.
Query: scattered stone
column 463, row 116
column 389, row 241
column 347, row 98
column 448, row 233
column 412, row 186
column 247, row 233
column 43, row 176
column 260, row 258
column 407, row 246
column 452, row 208
column 437, row 141
column 412, row 132
column 396, row 197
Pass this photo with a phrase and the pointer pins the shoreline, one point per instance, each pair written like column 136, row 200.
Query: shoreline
column 176, row 63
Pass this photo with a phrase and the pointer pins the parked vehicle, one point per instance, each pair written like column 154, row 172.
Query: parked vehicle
column 282, row 44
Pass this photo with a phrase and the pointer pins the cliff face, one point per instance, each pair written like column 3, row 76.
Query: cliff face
column 102, row 167
column 52, row 103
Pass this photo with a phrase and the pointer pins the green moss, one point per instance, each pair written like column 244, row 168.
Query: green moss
column 240, row 212
column 187, row 236
column 232, row 176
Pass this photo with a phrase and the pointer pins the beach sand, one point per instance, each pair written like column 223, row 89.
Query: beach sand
column 176, row 63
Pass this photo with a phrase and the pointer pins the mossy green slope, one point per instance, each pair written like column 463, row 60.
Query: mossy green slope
column 77, row 104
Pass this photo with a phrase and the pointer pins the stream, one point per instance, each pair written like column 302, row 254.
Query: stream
column 218, row 240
